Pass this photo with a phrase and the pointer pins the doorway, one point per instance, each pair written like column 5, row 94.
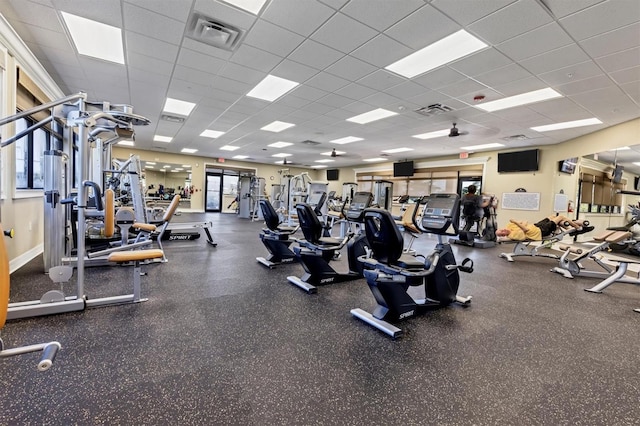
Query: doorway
column 213, row 192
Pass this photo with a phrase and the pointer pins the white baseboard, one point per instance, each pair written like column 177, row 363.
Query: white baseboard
column 25, row 258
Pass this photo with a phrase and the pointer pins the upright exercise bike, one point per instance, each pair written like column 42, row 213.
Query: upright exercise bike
column 390, row 272
column 315, row 251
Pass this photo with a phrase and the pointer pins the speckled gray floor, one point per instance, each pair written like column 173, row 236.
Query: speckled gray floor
column 224, row 340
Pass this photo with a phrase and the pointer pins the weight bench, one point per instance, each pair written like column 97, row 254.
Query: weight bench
column 135, row 256
column 531, row 248
column 150, row 231
column 571, row 267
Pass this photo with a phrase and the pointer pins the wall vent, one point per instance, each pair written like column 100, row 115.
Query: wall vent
column 172, row 118
column 433, row 109
column 214, row 32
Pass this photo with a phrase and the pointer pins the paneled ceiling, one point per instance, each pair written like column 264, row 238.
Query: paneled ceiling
column 587, row 50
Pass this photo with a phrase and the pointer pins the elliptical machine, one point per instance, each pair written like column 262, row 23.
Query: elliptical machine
column 315, row 251
column 390, row 272
column 485, row 221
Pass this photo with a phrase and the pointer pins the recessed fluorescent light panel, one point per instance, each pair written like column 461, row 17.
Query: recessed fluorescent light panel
column 319, row 166
column 166, row 167
column 432, row 135
column 371, row 160
column 251, row 6
column 348, row 139
column 567, row 125
column 484, row 146
column 176, row 106
column 240, row 157
column 158, row 138
column 280, row 144
column 281, row 154
column 368, row 117
column 189, row 150
column 277, row 126
column 519, row 100
column 95, row 39
column 150, row 162
column 331, row 152
column 397, row 150
column 622, row 148
column 126, row 143
column 211, row 134
column 271, row 88
column 325, row 161
column 149, row 167
column 229, row 147
column 186, row 165
column 448, row 49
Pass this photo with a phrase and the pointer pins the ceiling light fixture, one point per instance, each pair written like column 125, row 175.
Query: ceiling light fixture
column 229, row 148
column 176, row 106
column 126, row 143
column 567, row 125
column 432, row 135
column 280, row 144
column 326, row 160
column 373, row 115
column 95, row 39
column 214, row 134
column 450, row 48
column 277, row 126
column 271, row 88
column 346, row 140
column 397, row 150
column 281, row 154
column 519, row 100
column 251, row 6
column 371, row 160
column 158, row 138
column 319, row 166
column 483, row 146
column 240, row 157
column 189, row 150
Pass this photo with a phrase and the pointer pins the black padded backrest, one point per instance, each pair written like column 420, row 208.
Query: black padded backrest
column 383, row 235
column 332, row 195
column 321, row 201
column 309, row 223
column 469, row 206
column 269, row 214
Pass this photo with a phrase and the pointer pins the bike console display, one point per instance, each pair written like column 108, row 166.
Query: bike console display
column 361, row 200
column 441, row 212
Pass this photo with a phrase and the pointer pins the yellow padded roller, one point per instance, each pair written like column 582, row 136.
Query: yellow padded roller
column 134, row 255
column 109, row 213
column 4, row 281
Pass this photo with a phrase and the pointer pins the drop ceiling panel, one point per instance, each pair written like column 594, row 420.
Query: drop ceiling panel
column 32, row 14
column 510, row 21
column 614, row 41
column 294, row 71
column 627, row 75
column 225, row 13
column 231, row 86
column 198, row 61
column 520, row 86
column 108, row 13
column 336, row 4
column 302, row 17
column 381, row 51
column 439, row 77
column 481, row 62
column 381, row 80
column 242, row 74
column 49, row 39
column 170, row 8
column 503, row 75
column 464, row 87
column 152, row 65
column 555, row 59
column 540, row 40
column 335, row 101
column 405, row 90
column 309, row 93
column 273, row 39
column 601, row 18
column 327, row 82
column 206, row 49
column 411, row 31
column 572, row 73
column 355, row 91
column 151, row 47
column 152, row 24
column 255, row 58
column 562, row 8
column 343, row 33
column 381, row 15
column 380, row 100
column 350, row 68
column 621, row 60
column 314, row 54
column 585, row 85
column 466, row 12
column 157, row 81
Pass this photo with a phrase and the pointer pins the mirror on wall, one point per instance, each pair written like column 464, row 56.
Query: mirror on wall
column 163, row 180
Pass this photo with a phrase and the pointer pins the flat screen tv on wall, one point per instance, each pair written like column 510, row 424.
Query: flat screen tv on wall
column 519, row 161
column 568, row 166
column 404, row 168
column 333, row 174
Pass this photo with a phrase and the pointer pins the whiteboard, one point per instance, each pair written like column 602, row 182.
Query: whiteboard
column 560, row 203
column 521, row 200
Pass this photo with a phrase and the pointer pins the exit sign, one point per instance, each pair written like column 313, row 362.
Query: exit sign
column 464, row 155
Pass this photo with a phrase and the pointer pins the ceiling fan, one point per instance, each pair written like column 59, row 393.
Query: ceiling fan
column 454, row 132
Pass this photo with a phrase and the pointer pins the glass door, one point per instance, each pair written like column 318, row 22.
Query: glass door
column 213, row 193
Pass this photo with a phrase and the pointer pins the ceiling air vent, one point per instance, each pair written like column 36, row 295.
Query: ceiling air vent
column 433, row 109
column 214, row 32
column 311, row 143
column 172, row 118
column 515, row 138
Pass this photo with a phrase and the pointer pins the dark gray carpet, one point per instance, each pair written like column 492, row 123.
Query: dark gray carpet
column 223, row 340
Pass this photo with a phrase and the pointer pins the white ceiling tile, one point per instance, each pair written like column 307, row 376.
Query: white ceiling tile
column 540, row 40
column 153, row 65
column 381, row 51
column 175, row 9
column 343, row 33
column 231, row 86
column 585, row 85
column 271, row 38
column 633, row 90
column 317, row 108
column 106, row 12
column 467, row 11
column 621, row 60
column 381, row 80
column 50, row 39
column 510, row 21
column 627, row 75
column 355, row 91
column 196, row 60
column 439, row 77
column 524, row 85
column 152, row 24
column 613, row 41
column 293, row 102
column 406, row 90
column 32, row 14
column 335, row 101
column 193, row 75
column 242, row 74
column 309, row 93
column 149, row 46
column 157, row 81
column 340, row 114
column 503, row 75
column 562, row 8
column 606, row 103
column 350, row 68
column 381, row 100
column 480, row 62
column 189, row 89
column 463, row 87
column 336, row 4
column 225, row 13
column 327, row 82
column 255, row 58
column 411, row 31
column 314, row 54
column 601, row 18
column 205, row 49
column 381, row 14
column 302, row 17
column 555, row 59
column 572, row 73
column 294, row 71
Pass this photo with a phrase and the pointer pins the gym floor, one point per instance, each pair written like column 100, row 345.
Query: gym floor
column 224, row 340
